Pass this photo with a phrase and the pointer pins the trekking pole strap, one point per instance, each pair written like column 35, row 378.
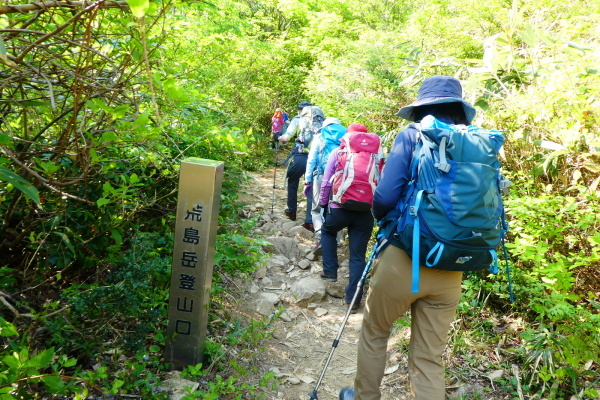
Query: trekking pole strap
column 506, row 260
column 511, row 294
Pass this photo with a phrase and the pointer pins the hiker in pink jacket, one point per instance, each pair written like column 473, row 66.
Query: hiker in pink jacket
column 359, row 224
column 277, row 122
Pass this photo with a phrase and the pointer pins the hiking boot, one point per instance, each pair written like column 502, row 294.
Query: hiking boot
column 328, row 277
column 347, row 394
column 317, row 249
column 290, row 214
column 354, row 308
column 308, row 226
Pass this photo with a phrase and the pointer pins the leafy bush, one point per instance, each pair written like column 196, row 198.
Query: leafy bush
column 123, row 308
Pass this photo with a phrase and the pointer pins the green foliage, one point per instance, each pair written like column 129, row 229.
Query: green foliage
column 93, row 128
column 553, row 290
column 544, row 230
column 19, row 183
column 231, row 388
column 135, row 376
column 554, row 362
column 237, row 253
column 23, row 370
column 129, row 299
column 244, row 340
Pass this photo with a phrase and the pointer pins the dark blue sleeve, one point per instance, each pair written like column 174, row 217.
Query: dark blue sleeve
column 395, row 175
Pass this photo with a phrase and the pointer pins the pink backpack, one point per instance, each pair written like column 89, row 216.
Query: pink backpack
column 360, row 160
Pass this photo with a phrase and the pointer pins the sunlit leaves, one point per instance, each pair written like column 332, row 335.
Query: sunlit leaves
column 139, row 8
column 7, row 175
column 7, row 329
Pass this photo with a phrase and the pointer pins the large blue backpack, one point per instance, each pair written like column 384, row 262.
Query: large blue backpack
column 331, row 135
column 452, row 217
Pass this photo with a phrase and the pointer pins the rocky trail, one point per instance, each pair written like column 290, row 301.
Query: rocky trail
column 314, row 308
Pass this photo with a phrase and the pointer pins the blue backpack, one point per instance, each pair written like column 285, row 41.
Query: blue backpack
column 331, row 136
column 452, row 217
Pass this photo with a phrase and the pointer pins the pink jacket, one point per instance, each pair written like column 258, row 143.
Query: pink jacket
column 277, row 124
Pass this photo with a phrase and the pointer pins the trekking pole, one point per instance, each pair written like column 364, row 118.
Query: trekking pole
column 336, row 341
column 274, row 175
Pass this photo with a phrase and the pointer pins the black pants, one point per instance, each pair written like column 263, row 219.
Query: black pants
column 295, row 171
column 275, row 139
column 360, row 225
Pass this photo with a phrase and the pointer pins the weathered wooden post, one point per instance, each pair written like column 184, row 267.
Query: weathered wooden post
column 198, row 204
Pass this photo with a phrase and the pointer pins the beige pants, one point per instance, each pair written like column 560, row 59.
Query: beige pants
column 432, row 311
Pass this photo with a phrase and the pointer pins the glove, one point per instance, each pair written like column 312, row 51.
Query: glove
column 307, row 189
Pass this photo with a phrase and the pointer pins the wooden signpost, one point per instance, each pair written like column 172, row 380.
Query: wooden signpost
column 198, row 204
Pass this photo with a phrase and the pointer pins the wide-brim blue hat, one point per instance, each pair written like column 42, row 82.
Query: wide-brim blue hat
column 437, row 90
column 304, row 104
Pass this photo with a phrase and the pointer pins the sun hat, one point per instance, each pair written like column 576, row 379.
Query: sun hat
column 437, row 90
column 356, row 128
column 304, row 104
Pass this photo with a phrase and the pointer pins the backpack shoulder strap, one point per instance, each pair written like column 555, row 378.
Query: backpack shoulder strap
column 414, row 163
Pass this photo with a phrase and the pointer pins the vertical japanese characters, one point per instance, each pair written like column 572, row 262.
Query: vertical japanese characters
column 188, row 274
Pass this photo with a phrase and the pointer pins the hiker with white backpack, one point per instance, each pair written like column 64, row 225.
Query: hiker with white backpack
column 327, row 139
column 302, row 129
column 349, row 181
column 440, row 213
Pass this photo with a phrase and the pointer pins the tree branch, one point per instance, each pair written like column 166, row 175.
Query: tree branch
column 42, row 180
column 3, row 299
column 44, row 5
column 59, row 29
column 73, row 42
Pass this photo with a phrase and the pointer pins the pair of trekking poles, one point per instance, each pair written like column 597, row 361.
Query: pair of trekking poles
column 376, row 249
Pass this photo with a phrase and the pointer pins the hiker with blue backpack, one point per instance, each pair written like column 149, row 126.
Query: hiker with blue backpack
column 302, row 129
column 327, row 139
column 440, row 213
column 349, row 181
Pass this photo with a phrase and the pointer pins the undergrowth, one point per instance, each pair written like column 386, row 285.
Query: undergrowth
column 545, row 344
column 106, row 336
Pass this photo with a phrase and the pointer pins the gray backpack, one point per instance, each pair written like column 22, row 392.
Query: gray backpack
column 311, row 120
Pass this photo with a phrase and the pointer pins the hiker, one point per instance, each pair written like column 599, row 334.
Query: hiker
column 277, row 123
column 302, row 128
column 434, row 306
column 359, row 221
column 327, row 139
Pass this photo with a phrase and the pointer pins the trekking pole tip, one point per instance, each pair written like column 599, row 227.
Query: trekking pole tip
column 313, row 395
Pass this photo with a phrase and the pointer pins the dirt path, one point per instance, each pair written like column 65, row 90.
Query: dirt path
column 305, row 332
